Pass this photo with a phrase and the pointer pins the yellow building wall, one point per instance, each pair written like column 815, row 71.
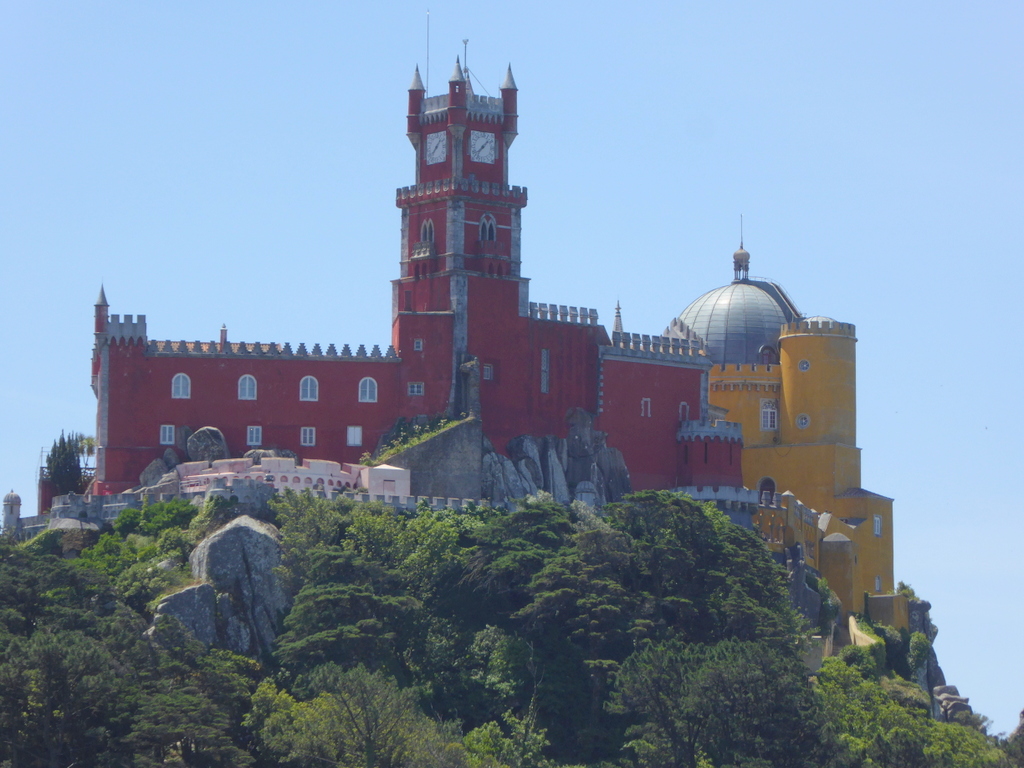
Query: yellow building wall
column 815, row 457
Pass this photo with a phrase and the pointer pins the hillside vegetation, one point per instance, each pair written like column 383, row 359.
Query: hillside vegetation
column 657, row 634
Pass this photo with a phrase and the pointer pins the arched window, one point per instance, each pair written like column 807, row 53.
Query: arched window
column 487, row 227
column 309, row 389
column 367, row 390
column 427, row 231
column 766, row 490
column 181, row 387
column 247, row 387
column 768, row 354
column 769, row 415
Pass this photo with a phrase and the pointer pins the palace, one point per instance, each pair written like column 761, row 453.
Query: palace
column 740, row 390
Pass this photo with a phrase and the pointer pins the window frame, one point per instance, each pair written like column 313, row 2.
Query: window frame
column 307, row 437
column 417, row 345
column 181, row 387
column 246, row 379
column 545, row 371
column 254, row 436
column 309, row 393
column 164, row 428
column 415, row 389
column 769, row 415
column 878, row 525
column 488, row 372
column 368, row 390
column 354, row 435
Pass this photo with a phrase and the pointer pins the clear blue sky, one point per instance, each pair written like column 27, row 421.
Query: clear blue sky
column 236, row 163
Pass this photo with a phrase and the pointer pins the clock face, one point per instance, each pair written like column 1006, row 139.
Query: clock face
column 481, row 147
column 437, row 147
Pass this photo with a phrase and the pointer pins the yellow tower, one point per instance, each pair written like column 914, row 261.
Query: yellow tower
column 792, row 383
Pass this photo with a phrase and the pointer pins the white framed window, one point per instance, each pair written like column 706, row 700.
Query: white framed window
column 254, row 435
column 367, row 391
column 488, row 372
column 878, row 525
column 166, row 434
column 769, row 415
column 545, row 370
column 684, row 411
column 878, row 583
column 309, row 389
column 307, row 436
column 354, row 436
column 181, row 387
column 645, row 406
column 488, row 227
column 247, row 387
column 427, row 231
column 417, row 345
column 415, row 387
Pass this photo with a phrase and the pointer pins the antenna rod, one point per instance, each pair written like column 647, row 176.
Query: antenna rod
column 465, row 56
column 741, row 230
column 428, row 52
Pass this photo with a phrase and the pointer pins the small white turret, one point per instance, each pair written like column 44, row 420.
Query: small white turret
column 12, row 511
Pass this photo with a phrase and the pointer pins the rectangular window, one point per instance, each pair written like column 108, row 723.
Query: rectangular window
column 878, row 583
column 488, row 372
column 307, row 436
column 545, row 370
column 254, row 436
column 769, row 415
column 878, row 525
column 645, row 406
column 166, row 434
column 355, row 435
column 415, row 387
column 417, row 345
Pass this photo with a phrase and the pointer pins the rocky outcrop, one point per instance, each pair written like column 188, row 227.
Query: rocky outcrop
column 448, row 464
column 951, row 703
column 195, row 607
column 207, row 444
column 240, row 602
column 580, row 466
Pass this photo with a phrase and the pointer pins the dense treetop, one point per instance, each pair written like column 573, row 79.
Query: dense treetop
column 654, row 634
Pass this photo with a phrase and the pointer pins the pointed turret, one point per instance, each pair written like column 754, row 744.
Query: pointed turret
column 510, row 106
column 417, row 81
column 416, row 94
column 617, row 326
column 100, row 313
column 457, row 76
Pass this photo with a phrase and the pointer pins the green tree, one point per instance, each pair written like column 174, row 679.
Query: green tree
column 733, row 703
column 63, row 465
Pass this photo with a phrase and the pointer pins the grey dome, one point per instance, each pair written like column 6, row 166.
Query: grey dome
column 738, row 319
column 12, row 498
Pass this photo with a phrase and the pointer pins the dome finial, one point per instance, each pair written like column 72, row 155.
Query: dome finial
column 741, row 264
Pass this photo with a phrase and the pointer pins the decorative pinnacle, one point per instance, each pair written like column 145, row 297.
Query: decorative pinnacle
column 102, row 300
column 457, row 76
column 617, row 327
column 510, row 82
column 417, row 83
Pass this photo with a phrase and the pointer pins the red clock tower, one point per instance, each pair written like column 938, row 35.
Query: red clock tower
column 461, row 221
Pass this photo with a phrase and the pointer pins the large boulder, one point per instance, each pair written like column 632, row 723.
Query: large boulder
column 195, row 607
column 207, row 444
column 151, row 475
column 238, row 561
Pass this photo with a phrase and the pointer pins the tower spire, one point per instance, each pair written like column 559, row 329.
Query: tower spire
column 417, row 81
column 457, row 76
column 617, row 326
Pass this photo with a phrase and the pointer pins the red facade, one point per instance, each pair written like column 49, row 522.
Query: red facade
column 460, row 298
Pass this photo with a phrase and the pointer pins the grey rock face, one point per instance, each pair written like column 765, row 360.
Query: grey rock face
column 528, row 471
column 171, row 458
column 239, row 561
column 195, row 608
column 207, row 444
column 258, row 454
column 514, row 484
column 523, row 448
column 151, row 475
column 554, row 476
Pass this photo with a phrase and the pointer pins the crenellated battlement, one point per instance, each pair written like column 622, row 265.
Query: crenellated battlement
column 446, row 187
column 263, row 350
column 710, row 430
column 758, row 370
column 656, row 347
column 819, row 327
column 126, row 329
column 485, row 108
column 563, row 314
